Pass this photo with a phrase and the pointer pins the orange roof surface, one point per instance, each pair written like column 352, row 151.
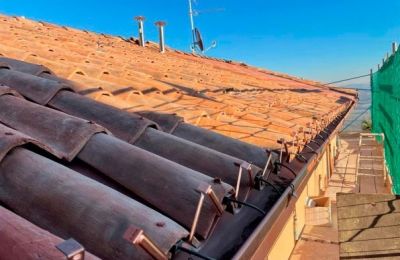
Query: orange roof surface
column 254, row 105
column 91, row 148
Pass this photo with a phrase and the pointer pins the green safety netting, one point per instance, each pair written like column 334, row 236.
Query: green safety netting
column 385, row 113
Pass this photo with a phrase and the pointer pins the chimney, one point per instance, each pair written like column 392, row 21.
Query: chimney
column 140, row 20
column 160, row 25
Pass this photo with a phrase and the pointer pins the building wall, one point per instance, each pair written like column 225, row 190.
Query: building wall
column 285, row 243
column 316, row 185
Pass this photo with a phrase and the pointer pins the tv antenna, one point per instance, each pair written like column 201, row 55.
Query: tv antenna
column 197, row 41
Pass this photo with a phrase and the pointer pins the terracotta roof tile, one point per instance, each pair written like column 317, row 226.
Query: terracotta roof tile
column 97, row 105
column 21, row 239
column 67, row 137
column 62, row 135
column 76, row 202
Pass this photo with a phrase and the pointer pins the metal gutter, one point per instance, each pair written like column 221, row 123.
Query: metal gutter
column 269, row 228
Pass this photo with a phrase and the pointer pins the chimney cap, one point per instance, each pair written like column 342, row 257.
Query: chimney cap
column 139, row 18
column 160, row 23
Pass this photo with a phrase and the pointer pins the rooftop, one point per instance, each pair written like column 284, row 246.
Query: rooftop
column 210, row 93
column 137, row 141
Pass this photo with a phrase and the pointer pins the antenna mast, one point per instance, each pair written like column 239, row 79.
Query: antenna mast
column 197, row 41
column 192, row 26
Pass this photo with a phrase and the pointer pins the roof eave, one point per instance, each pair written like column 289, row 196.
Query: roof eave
column 268, row 229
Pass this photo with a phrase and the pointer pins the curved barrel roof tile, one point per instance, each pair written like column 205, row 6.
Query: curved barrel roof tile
column 166, row 141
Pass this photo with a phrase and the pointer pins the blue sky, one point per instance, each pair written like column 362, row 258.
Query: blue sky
column 324, row 40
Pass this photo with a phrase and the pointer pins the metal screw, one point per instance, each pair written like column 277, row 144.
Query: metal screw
column 137, row 237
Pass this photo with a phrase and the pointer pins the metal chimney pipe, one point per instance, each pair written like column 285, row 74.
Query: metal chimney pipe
column 394, row 47
column 140, row 20
column 160, row 25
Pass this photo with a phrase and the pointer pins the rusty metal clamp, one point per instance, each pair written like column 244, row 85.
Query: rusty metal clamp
column 267, row 164
column 301, row 157
column 315, row 141
column 310, row 130
column 259, row 179
column 325, row 132
column 319, row 136
column 204, row 189
column 282, row 140
column 247, row 166
column 295, row 138
column 72, row 249
column 310, row 148
column 137, row 237
column 293, row 192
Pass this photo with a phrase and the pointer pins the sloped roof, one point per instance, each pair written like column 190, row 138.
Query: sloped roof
column 246, row 103
column 91, row 147
column 160, row 172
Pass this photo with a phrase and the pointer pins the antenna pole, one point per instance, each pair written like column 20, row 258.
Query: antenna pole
column 192, row 26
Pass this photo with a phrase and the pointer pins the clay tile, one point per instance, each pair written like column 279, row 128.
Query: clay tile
column 89, row 91
column 167, row 122
column 40, row 90
column 4, row 90
column 128, row 127
column 4, row 65
column 63, row 135
column 10, row 138
column 25, row 67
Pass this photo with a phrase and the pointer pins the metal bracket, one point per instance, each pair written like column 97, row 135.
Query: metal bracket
column 325, row 132
column 260, row 178
column 247, row 166
column 266, row 165
column 320, row 137
column 72, row 249
column 239, row 179
column 293, row 193
column 204, row 189
column 137, row 237
column 315, row 141
column 310, row 130
column 301, row 157
column 311, row 149
column 281, row 151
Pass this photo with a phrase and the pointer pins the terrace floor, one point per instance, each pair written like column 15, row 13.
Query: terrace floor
column 320, row 242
